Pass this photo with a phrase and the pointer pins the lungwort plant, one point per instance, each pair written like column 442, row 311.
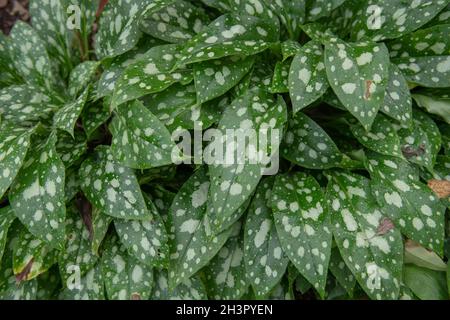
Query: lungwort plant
column 101, row 198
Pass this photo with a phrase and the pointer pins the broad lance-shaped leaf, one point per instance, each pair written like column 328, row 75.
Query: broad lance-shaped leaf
column 30, row 56
column 192, row 245
column 237, row 166
column 145, row 240
column 77, row 255
column 125, row 277
column 381, row 138
column 422, row 142
column 90, row 286
column 111, row 187
column 225, row 275
column 26, row 104
column 289, row 49
column 81, row 76
column 176, row 23
column 217, row 77
column 14, row 145
column 379, row 20
column 31, row 256
column 140, row 140
column 426, row 284
column 415, row 209
column 341, row 272
column 308, row 145
column 358, row 74
column 93, row 116
column 119, row 25
column 302, row 223
column 50, row 23
column 9, row 74
column 150, row 74
column 66, row 117
column 369, row 242
column 7, row 217
column 190, row 289
column 265, row 261
column 307, row 76
column 229, row 35
column 100, row 226
column 37, row 195
column 397, row 99
column 424, row 56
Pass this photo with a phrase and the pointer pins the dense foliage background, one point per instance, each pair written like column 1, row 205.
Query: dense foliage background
column 93, row 207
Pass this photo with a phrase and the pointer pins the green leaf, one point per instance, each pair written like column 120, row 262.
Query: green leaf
column 308, row 145
column 280, row 80
column 50, row 23
column 192, row 245
column 152, row 73
column 77, row 254
column 26, row 104
column 307, row 76
column 379, row 20
column 291, row 14
column 413, row 206
column 369, row 243
column 9, row 74
column 14, row 145
column 235, row 176
column 31, row 256
column 93, row 116
column 66, row 117
column 30, row 56
column 81, row 76
column 190, row 289
column 7, row 217
column 100, row 226
column 119, row 25
column 229, row 35
column 265, row 261
column 225, row 274
column 151, row 143
column 111, row 187
column 125, row 277
column 397, row 99
column 215, row 78
column 298, row 205
column 321, row 8
column 37, row 195
column 70, row 149
column 426, row 284
column 176, row 23
column 381, row 138
column 90, row 287
column 422, row 142
column 358, row 74
column 418, row 255
column 341, row 272
column 433, row 105
column 145, row 240
column 289, row 49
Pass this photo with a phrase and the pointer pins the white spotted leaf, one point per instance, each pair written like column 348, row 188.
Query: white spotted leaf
column 140, row 140
column 125, row 277
column 308, row 145
column 414, row 208
column 191, row 289
column 358, row 74
column 236, row 170
column 215, row 78
column 369, row 242
column 302, row 223
column 111, row 187
column 91, row 287
column 37, row 195
column 81, row 76
column 7, row 217
column 307, row 76
column 265, row 261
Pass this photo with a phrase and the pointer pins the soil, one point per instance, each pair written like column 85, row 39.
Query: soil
column 11, row 11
